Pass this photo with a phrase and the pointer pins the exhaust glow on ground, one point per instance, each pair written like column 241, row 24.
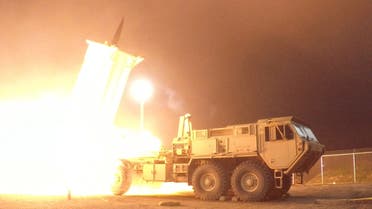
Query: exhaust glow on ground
column 160, row 188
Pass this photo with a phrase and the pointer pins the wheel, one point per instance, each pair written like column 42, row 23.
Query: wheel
column 209, row 182
column 251, row 181
column 276, row 193
column 122, row 179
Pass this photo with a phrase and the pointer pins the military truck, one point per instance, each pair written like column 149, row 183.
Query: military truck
column 254, row 161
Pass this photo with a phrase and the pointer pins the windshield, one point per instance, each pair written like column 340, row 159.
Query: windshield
column 305, row 132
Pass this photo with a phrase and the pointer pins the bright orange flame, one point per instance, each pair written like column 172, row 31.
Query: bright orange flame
column 53, row 144
column 46, row 148
column 139, row 144
column 27, row 143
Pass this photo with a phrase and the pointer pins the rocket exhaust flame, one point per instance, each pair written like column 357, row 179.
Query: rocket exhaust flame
column 43, row 153
column 53, row 144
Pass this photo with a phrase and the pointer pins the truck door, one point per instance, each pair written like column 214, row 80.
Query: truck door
column 278, row 146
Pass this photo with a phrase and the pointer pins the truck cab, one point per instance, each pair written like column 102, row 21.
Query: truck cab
column 288, row 144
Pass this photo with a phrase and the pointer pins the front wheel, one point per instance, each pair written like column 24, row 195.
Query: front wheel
column 251, row 180
column 209, row 182
column 122, row 178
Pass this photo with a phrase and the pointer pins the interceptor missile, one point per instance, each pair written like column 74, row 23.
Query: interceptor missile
column 117, row 34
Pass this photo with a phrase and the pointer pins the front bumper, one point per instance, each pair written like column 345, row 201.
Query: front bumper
column 311, row 153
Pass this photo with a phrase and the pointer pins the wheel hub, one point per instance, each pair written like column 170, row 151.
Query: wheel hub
column 249, row 182
column 207, row 182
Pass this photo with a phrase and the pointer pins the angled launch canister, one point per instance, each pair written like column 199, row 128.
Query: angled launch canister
column 102, row 79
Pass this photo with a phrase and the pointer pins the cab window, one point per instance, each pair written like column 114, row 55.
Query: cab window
column 272, row 133
column 278, row 132
column 267, row 134
column 288, row 132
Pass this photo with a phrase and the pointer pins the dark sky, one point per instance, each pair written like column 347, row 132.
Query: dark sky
column 225, row 62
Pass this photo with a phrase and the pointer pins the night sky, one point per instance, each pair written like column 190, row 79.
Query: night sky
column 225, row 62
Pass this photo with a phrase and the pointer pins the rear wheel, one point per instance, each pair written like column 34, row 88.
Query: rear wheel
column 209, row 182
column 251, row 181
column 122, row 179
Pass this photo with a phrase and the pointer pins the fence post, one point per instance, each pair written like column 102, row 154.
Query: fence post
column 354, row 167
column 321, row 168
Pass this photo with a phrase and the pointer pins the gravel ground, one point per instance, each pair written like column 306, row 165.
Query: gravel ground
column 309, row 196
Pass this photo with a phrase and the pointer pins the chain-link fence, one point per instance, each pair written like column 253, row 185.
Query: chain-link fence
column 342, row 167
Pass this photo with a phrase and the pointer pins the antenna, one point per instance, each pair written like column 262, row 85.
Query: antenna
column 117, row 34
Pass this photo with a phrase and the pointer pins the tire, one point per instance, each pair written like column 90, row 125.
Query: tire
column 251, row 181
column 209, row 182
column 123, row 179
column 276, row 193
